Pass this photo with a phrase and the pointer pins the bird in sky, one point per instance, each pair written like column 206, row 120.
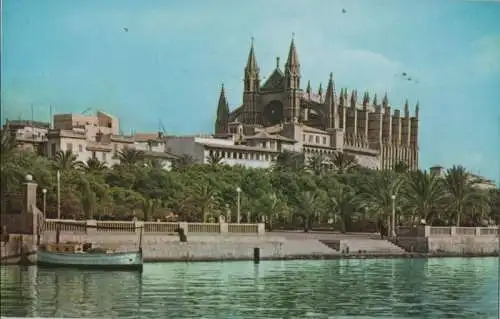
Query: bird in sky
column 344, row 10
column 125, row 29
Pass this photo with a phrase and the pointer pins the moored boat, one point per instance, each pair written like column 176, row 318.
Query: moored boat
column 84, row 255
column 63, row 255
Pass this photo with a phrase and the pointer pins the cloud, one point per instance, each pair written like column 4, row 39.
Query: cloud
column 487, row 54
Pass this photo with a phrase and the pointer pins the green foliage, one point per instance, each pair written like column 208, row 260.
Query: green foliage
column 332, row 191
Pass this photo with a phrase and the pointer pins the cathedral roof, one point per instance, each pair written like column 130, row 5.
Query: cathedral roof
column 263, row 135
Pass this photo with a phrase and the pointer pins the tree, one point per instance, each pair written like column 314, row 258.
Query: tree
column 214, row 159
column 183, row 162
column 461, row 190
column 377, row 192
column 130, row 156
column 424, row 194
column 288, row 160
column 65, row 161
column 94, row 165
column 342, row 201
column 343, row 162
column 306, row 208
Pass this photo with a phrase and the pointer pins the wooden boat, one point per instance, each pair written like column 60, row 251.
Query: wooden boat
column 84, row 255
column 79, row 256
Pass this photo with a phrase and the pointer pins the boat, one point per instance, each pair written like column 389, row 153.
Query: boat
column 86, row 256
column 72, row 255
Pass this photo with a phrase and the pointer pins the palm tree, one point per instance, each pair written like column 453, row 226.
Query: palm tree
column 316, row 164
column 342, row 200
column 94, row 165
column 130, row 156
column 344, row 162
column 214, row 159
column 288, row 160
column 202, row 195
column 377, row 192
column 401, row 167
column 150, row 205
column 424, row 193
column 307, row 203
column 183, row 162
column 461, row 190
column 66, row 160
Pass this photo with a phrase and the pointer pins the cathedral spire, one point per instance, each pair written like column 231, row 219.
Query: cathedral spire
column 375, row 102
column 341, row 98
column 366, row 98
column 331, row 105
column 252, row 80
column 330, row 88
column 385, row 100
column 407, row 108
column 292, row 64
column 417, row 109
column 320, row 89
column 308, row 89
column 222, row 121
column 252, row 66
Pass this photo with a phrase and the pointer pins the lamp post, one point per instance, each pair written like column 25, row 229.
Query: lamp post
column 238, row 190
column 58, row 195
column 393, row 222
column 44, row 191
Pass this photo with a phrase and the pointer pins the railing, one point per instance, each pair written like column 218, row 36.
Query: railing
column 84, row 226
column 430, row 231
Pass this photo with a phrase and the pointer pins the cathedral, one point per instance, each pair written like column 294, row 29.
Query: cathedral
column 320, row 122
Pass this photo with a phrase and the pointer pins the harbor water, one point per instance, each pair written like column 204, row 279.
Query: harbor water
column 378, row 288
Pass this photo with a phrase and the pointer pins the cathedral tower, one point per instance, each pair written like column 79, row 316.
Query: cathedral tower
column 251, row 89
column 222, row 121
column 292, row 85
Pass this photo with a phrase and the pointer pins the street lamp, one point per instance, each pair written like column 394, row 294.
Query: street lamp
column 238, row 190
column 393, row 224
column 58, row 194
column 44, row 191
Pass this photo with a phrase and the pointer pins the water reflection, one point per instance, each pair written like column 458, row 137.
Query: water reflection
column 416, row 288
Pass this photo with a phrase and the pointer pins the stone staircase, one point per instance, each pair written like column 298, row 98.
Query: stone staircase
column 365, row 246
column 377, row 246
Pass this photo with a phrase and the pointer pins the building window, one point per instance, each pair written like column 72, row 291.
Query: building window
column 317, row 139
column 80, row 148
column 94, row 155
column 324, row 139
column 103, row 157
column 303, row 137
column 310, row 138
column 240, row 155
column 69, row 147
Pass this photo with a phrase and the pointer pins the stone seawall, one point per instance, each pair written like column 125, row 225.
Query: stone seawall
column 162, row 247
column 476, row 245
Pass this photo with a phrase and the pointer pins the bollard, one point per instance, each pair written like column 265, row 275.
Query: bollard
column 182, row 235
column 256, row 255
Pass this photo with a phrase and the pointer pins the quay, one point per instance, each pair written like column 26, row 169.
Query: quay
column 235, row 241
column 224, row 241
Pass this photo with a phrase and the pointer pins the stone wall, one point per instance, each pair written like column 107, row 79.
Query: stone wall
column 463, row 244
column 161, row 247
column 457, row 240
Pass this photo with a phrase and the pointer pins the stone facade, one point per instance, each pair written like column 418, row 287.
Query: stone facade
column 323, row 122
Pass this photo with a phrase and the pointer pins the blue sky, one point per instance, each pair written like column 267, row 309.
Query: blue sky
column 170, row 64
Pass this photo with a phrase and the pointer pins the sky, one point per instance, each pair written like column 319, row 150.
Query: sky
column 168, row 67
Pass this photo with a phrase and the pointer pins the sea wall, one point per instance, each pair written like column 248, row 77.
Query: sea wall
column 161, row 247
column 455, row 240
